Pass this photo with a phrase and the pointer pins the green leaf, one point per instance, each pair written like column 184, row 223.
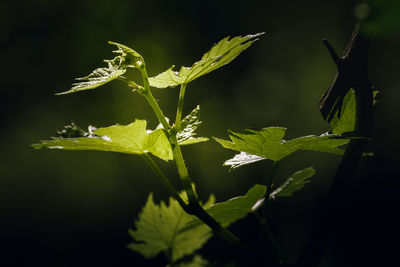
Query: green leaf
column 186, row 134
column 115, row 68
column 234, row 209
column 158, row 229
column 71, row 131
column 219, row 55
column 347, row 121
column 241, row 159
column 268, row 143
column 131, row 139
column 294, row 183
column 197, row 261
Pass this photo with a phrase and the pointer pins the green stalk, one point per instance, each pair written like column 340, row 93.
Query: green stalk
column 164, row 180
column 182, row 170
column 193, row 208
column 180, row 105
column 150, row 98
column 262, row 219
column 269, row 184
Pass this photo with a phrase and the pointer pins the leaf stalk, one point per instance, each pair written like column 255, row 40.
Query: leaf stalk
column 164, row 180
column 193, row 208
column 180, row 105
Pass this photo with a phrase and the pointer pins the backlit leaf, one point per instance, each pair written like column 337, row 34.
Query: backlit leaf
column 347, row 121
column 115, row 68
column 131, row 139
column 294, row 183
column 268, row 143
column 233, row 209
column 197, row 261
column 219, row 55
column 187, row 133
column 158, row 229
column 241, row 159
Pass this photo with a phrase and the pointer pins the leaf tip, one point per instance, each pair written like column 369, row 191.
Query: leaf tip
column 36, row 146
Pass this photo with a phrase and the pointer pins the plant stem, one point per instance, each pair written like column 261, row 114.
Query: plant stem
column 273, row 241
column 263, row 220
column 182, row 170
column 269, row 184
column 164, row 180
column 203, row 215
column 193, row 208
column 153, row 103
column 180, row 105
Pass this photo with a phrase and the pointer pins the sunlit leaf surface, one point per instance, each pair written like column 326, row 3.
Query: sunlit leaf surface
column 127, row 57
column 131, row 139
column 219, row 55
column 268, row 143
column 346, row 122
column 233, row 209
column 186, row 135
column 158, row 229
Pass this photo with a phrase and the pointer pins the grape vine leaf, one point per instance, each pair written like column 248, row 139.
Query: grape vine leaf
column 268, row 143
column 115, row 68
column 197, row 261
column 158, row 229
column 186, row 133
column 233, row 209
column 294, row 183
column 219, row 55
column 346, row 122
column 241, row 159
column 131, row 139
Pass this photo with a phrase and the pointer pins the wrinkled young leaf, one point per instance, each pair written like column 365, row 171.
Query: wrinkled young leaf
column 186, row 134
column 131, row 139
column 268, row 143
column 219, row 55
column 294, row 183
column 233, row 209
column 159, row 230
column 116, row 67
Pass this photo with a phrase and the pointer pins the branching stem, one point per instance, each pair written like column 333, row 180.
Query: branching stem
column 164, row 180
column 150, row 98
column 194, row 207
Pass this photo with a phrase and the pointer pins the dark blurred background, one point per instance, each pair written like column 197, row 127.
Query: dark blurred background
column 63, row 208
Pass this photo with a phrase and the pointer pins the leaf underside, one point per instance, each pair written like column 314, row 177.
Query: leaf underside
column 268, row 143
column 219, row 55
column 294, row 183
column 241, row 159
column 158, row 229
column 187, row 133
column 116, row 67
column 233, row 209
